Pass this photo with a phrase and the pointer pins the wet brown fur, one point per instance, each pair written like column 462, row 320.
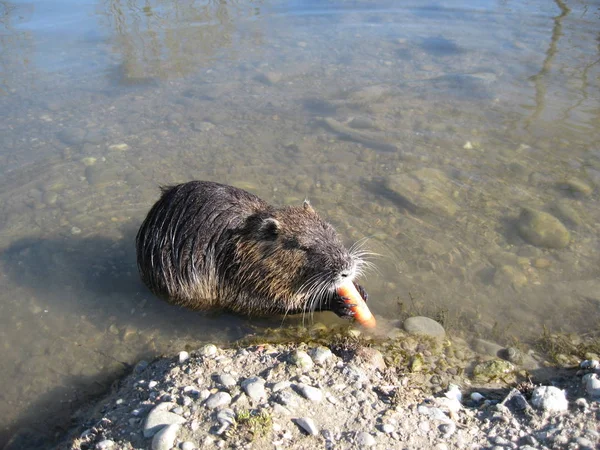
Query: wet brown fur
column 205, row 245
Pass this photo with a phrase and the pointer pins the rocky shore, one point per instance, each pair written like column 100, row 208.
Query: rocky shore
column 345, row 390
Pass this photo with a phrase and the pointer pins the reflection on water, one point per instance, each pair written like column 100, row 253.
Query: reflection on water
column 425, row 129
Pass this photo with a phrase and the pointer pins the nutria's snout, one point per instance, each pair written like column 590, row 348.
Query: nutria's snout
column 208, row 245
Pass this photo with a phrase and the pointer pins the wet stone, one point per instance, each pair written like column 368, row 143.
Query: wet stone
column 424, row 189
column 492, row 369
column 424, row 325
column 72, row 136
column 542, row 229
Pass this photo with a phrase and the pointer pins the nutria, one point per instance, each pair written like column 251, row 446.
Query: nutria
column 208, row 245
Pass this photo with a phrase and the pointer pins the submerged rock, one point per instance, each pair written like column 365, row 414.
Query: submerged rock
column 424, row 189
column 424, row 325
column 542, row 229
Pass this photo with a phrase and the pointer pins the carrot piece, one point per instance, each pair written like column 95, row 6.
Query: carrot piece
column 361, row 311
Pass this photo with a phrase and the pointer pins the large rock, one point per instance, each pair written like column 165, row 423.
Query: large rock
column 424, row 325
column 424, row 189
column 159, row 418
column 542, row 229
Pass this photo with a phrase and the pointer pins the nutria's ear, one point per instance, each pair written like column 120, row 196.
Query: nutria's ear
column 270, row 226
column 307, row 207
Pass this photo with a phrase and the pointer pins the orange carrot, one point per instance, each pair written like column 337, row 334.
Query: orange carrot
column 361, row 311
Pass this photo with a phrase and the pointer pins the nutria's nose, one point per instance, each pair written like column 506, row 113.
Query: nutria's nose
column 346, row 273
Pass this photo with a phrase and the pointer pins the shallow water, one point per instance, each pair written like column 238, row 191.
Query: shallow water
column 425, row 128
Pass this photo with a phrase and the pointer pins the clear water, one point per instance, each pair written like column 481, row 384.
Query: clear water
column 486, row 107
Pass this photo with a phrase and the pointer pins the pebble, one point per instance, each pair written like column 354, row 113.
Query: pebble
column 106, row 444
column 227, row 380
column 476, row 397
column 208, row 350
column 152, row 384
column 550, row 399
column 72, row 136
column 254, row 388
column 183, row 356
column 388, row 428
column 159, row 417
column 286, row 398
column 302, row 360
column 165, row 438
column 542, row 229
column 188, row 445
column 308, row 425
column 320, row 355
column 447, row 429
column 119, row 147
column 577, row 186
column 281, row 386
column 312, row 393
column 424, row 325
column 592, row 384
column 218, row 399
column 364, row 439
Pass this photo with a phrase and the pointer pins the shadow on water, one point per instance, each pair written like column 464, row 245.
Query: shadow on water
column 96, row 319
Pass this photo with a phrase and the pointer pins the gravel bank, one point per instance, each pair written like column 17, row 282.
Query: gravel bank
column 344, row 395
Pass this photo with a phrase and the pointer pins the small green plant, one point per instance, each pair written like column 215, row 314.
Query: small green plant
column 255, row 423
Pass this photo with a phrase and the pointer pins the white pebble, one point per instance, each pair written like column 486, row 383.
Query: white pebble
column 208, row 350
column 364, row 439
column 592, row 384
column 188, row 445
column 106, row 444
column 388, row 428
column 550, row 399
column 152, row 384
column 477, row 397
column 183, row 356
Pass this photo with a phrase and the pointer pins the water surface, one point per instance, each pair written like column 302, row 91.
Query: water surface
column 425, row 128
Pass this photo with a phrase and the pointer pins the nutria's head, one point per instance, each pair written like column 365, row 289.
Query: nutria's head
column 292, row 258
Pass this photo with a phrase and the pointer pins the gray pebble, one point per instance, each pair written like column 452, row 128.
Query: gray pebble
column 424, row 325
column 254, row 388
column 308, row 425
column 227, row 380
column 281, row 386
column 585, row 443
column 447, row 429
column 320, row 355
column 286, row 398
column 364, row 439
column 302, row 360
column 165, row 438
column 218, row 399
column 312, row 393
column 160, row 417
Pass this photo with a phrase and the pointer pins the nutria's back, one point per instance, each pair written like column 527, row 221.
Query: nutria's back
column 206, row 244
